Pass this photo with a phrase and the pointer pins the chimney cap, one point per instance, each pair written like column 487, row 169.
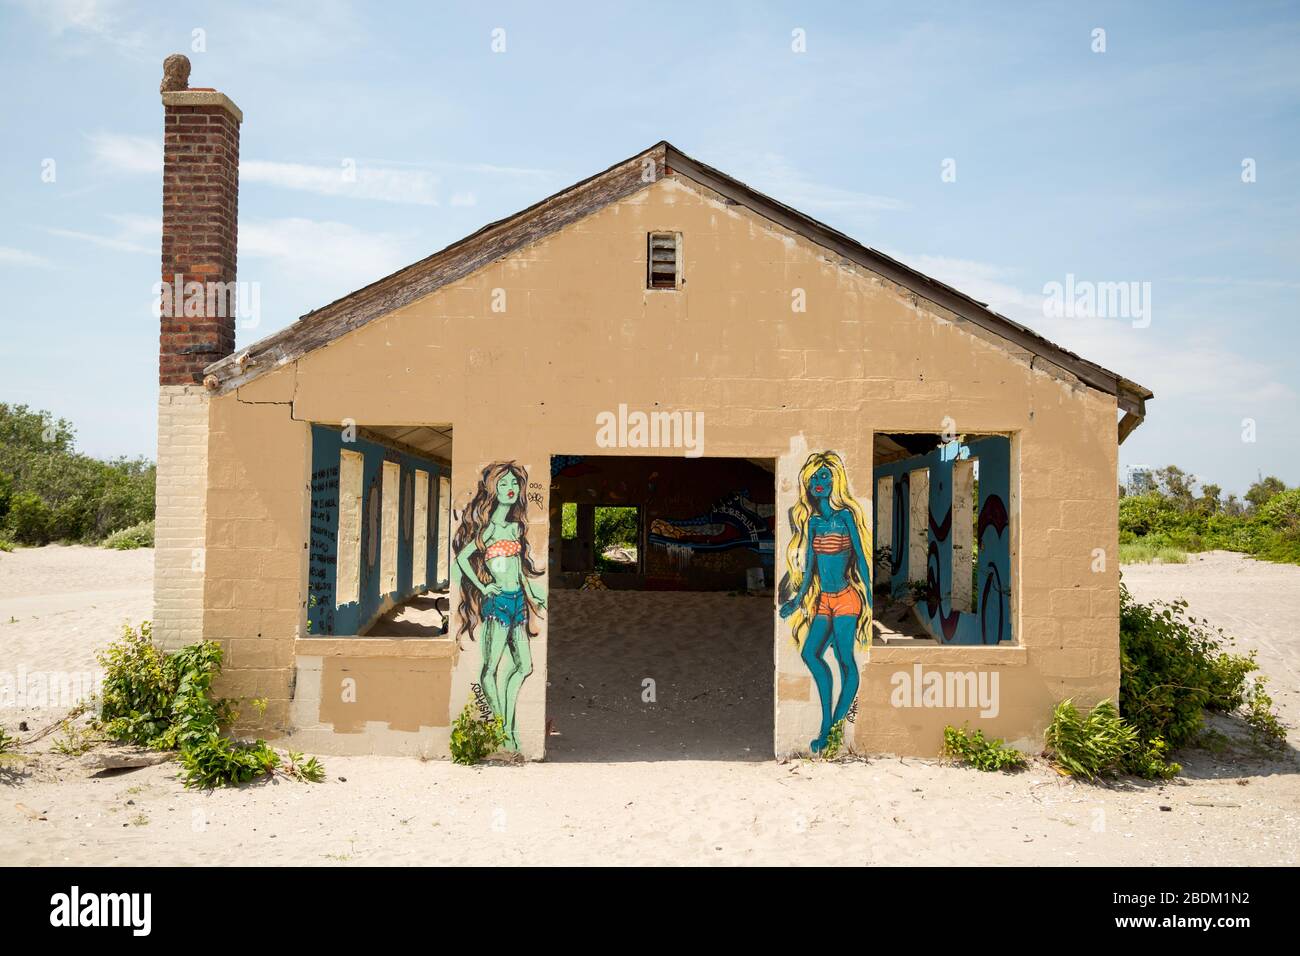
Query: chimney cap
column 176, row 73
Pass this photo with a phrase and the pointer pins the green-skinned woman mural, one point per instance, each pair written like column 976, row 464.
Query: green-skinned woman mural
column 826, row 591
column 499, row 594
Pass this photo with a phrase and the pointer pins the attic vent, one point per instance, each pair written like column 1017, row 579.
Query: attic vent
column 664, row 260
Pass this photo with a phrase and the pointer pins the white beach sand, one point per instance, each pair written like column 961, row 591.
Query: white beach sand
column 632, row 784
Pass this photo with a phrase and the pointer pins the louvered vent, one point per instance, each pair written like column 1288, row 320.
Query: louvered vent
column 663, row 260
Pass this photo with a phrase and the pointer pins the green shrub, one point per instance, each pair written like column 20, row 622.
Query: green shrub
column 473, row 739
column 1089, row 745
column 128, row 539
column 980, row 752
column 8, row 745
column 29, row 519
column 164, row 701
column 1173, row 668
column 5, row 544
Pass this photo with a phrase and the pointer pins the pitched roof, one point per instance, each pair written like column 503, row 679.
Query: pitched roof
column 500, row 238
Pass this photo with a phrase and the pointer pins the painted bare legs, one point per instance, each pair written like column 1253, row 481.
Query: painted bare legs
column 494, row 644
column 842, row 640
column 518, row 665
column 836, row 635
column 814, row 657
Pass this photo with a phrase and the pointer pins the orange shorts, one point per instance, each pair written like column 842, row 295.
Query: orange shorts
column 844, row 603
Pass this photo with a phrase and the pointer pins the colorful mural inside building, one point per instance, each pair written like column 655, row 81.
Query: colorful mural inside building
column 500, row 596
column 989, row 621
column 325, row 615
column 826, row 590
column 733, row 522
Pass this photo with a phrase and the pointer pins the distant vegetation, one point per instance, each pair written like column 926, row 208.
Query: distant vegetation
column 50, row 492
column 1166, row 513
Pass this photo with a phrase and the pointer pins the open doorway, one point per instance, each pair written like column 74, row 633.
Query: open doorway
column 659, row 641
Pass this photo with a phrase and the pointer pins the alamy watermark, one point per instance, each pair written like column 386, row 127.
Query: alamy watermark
column 637, row 429
column 209, row 300
column 61, row 689
column 956, row 689
column 1082, row 299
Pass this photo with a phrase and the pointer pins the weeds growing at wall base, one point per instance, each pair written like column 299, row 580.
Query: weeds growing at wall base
column 473, row 739
column 164, row 701
column 1173, row 669
column 980, row 752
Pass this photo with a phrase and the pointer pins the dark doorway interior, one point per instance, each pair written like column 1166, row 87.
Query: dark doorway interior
column 659, row 642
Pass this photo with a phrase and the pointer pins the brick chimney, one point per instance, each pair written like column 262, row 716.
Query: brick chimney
column 199, row 225
column 200, row 217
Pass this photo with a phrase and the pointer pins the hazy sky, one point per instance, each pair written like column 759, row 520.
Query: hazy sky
column 1117, row 166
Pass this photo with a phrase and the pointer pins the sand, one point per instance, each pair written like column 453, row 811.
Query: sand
column 630, row 784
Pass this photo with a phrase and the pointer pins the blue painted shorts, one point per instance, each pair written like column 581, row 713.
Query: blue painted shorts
column 507, row 607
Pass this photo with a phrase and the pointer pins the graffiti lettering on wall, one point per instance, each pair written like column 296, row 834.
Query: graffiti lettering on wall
column 826, row 590
column 480, row 701
column 733, row 522
column 322, row 555
column 500, row 597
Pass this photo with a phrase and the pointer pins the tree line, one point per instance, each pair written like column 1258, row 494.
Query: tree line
column 51, row 492
column 1169, row 508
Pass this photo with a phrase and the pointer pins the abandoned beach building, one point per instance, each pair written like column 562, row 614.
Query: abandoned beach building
column 892, row 505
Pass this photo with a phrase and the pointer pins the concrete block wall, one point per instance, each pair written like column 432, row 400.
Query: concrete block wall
column 580, row 336
column 180, row 516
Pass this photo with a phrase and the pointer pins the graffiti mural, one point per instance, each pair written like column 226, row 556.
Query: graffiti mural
column 322, row 555
column 500, row 597
column 990, row 620
column 826, row 590
column 325, row 615
column 733, row 522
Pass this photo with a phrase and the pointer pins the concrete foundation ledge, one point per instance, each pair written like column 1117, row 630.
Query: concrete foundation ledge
column 368, row 647
column 931, row 656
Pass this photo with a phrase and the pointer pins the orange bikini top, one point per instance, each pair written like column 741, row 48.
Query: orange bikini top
column 831, row 543
column 501, row 549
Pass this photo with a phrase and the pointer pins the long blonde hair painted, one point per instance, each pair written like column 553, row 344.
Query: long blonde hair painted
column 841, row 499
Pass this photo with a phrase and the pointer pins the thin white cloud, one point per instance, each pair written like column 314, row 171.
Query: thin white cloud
column 93, row 19
column 772, row 174
column 10, row 256
column 464, row 199
column 140, row 155
column 331, row 255
column 136, row 234
column 349, row 178
column 121, row 152
column 1174, row 365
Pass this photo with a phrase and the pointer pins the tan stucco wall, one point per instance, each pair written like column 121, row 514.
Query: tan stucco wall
column 581, row 334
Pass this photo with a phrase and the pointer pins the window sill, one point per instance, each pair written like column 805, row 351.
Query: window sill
column 952, row 655
column 374, row 647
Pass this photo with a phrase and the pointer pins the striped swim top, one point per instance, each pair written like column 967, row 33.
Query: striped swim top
column 831, row 543
column 501, row 549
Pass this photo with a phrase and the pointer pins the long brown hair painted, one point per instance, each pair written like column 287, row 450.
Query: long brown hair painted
column 473, row 523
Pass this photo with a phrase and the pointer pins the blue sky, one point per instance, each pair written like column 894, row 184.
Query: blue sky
column 1115, row 166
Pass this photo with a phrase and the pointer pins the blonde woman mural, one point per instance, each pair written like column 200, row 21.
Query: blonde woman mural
column 826, row 590
column 499, row 595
